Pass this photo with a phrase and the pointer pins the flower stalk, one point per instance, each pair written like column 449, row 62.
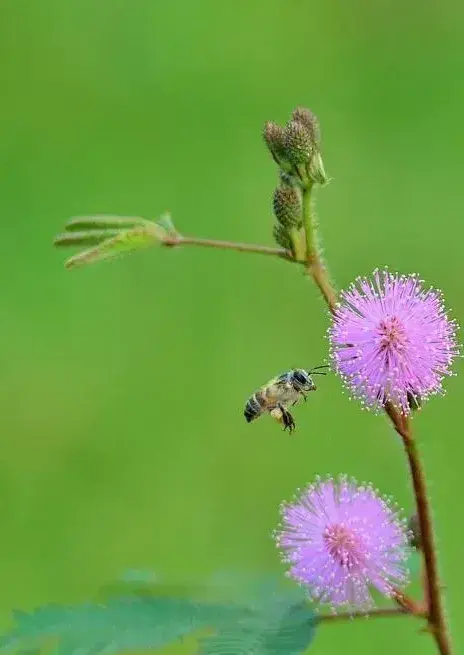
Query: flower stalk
column 384, row 612
column 436, row 612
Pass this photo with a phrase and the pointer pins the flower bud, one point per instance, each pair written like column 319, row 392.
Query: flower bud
column 297, row 143
column 287, row 206
column 310, row 121
column 273, row 135
column 282, row 237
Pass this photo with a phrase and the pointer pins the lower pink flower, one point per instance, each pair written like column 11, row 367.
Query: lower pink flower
column 341, row 539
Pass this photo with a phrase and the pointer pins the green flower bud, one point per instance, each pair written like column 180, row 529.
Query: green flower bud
column 310, row 121
column 282, row 237
column 273, row 135
column 287, row 206
column 298, row 143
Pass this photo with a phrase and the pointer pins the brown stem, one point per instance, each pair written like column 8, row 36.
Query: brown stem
column 436, row 613
column 228, row 245
column 373, row 614
column 409, row 605
column 424, row 581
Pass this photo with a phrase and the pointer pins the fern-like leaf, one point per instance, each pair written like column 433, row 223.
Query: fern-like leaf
column 149, row 614
column 112, row 236
column 119, row 625
column 124, row 242
column 277, row 622
column 104, row 222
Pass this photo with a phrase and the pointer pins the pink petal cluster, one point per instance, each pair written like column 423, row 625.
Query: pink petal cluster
column 341, row 539
column 391, row 340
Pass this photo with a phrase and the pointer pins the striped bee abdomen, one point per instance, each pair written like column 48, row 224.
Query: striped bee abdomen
column 254, row 406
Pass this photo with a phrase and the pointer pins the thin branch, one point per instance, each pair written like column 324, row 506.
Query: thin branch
column 386, row 613
column 173, row 241
column 436, row 612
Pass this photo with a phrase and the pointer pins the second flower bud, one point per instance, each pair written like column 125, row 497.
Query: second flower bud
column 287, row 206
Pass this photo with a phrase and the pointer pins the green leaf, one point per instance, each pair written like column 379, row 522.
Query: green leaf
column 105, row 222
column 125, row 242
column 119, row 625
column 274, row 628
column 270, row 621
column 89, row 238
column 113, row 236
column 274, row 620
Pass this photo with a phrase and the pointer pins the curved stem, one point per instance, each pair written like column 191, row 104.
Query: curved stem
column 387, row 612
column 436, row 613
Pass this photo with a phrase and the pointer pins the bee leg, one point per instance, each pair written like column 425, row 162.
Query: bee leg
column 287, row 418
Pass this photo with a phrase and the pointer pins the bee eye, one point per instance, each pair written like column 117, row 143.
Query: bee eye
column 300, row 377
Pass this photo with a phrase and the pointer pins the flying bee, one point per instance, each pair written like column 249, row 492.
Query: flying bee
column 280, row 392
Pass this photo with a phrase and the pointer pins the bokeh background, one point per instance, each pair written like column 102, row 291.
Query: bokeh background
column 123, row 443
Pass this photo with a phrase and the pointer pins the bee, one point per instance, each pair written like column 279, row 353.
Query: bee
column 280, row 392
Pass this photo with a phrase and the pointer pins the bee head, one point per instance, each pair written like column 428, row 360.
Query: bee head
column 302, row 380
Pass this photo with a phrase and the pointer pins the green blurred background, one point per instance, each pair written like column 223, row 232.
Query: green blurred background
column 123, row 385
